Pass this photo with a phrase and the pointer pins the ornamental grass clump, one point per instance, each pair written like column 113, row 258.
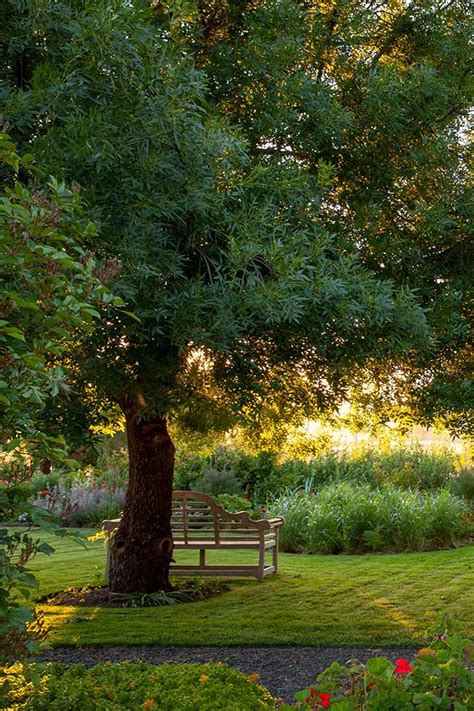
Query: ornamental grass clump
column 349, row 518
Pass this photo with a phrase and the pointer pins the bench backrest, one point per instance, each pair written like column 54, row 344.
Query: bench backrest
column 199, row 516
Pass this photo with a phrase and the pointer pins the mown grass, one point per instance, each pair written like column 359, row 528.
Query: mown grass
column 370, row 600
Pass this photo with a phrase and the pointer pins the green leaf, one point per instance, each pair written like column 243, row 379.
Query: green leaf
column 132, row 315
column 379, row 666
column 14, row 332
column 345, row 705
column 45, row 548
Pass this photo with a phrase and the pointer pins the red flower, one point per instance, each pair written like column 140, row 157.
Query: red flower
column 307, row 699
column 43, row 493
column 402, row 666
column 312, row 693
column 325, row 700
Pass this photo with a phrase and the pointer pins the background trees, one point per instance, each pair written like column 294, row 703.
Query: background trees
column 263, row 179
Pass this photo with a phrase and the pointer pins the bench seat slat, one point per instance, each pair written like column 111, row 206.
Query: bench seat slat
column 212, row 545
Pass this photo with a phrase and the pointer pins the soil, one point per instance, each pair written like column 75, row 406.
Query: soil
column 102, row 597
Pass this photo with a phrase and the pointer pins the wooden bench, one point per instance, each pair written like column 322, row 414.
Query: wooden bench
column 199, row 523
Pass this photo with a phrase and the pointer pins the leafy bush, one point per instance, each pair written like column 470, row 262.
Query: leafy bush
column 21, row 629
column 410, row 467
column 354, row 518
column 113, row 473
column 262, row 476
column 49, row 292
column 180, row 687
column 463, row 485
column 219, row 481
column 438, row 678
column 230, row 471
column 189, row 471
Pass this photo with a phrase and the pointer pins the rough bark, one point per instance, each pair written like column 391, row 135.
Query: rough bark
column 142, row 547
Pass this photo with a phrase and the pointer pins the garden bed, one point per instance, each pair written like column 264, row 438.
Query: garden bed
column 282, row 670
column 438, row 676
column 183, row 592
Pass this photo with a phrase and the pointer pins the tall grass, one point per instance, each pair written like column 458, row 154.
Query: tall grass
column 350, row 518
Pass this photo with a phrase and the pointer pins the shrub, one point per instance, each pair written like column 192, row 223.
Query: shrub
column 112, row 465
column 262, row 476
column 406, row 467
column 189, row 471
column 438, row 678
column 463, row 485
column 353, row 518
column 231, row 471
column 21, row 628
column 180, row 687
column 219, row 481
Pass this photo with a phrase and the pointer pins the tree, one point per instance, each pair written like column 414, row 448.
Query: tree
column 214, row 143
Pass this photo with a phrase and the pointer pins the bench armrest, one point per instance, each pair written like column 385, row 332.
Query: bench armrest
column 278, row 521
column 110, row 524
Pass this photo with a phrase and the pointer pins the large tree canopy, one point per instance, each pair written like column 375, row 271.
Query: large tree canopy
column 264, row 176
column 382, row 92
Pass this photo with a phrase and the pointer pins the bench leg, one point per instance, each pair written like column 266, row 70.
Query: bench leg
column 107, row 562
column 202, row 557
column 261, row 563
column 275, row 550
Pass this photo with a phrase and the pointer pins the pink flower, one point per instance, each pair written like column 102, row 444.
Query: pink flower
column 402, row 666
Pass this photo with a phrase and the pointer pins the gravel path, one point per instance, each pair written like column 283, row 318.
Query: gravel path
column 283, row 670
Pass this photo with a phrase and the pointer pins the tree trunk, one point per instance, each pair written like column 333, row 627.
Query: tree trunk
column 142, row 546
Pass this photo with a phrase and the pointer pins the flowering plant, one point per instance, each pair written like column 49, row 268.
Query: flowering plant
column 438, row 677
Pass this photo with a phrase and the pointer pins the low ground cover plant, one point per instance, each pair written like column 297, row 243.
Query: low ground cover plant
column 349, row 518
column 179, row 687
column 438, row 678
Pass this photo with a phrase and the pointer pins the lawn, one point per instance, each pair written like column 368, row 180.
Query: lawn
column 370, row 600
